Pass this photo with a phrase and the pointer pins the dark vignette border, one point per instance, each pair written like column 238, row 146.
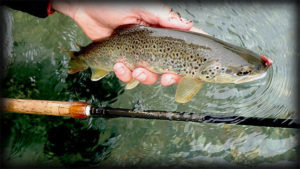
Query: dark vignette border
column 265, row 2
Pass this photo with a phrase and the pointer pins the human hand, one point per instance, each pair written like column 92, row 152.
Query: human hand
column 99, row 20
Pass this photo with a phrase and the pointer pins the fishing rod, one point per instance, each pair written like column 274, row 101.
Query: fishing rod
column 84, row 110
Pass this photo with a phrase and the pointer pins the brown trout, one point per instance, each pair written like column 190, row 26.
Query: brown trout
column 197, row 57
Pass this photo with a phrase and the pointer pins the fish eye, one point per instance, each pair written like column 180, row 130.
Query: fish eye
column 243, row 72
column 240, row 73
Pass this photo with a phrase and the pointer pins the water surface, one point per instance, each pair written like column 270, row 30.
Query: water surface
column 37, row 69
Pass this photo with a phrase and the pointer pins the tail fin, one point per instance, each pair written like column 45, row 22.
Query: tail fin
column 76, row 64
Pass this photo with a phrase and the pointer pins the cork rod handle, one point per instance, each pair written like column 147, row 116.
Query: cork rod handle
column 45, row 107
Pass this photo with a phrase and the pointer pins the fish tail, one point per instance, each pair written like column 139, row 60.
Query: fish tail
column 76, row 64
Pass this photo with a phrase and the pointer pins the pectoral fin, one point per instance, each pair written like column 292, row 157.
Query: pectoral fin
column 187, row 89
column 132, row 84
column 98, row 74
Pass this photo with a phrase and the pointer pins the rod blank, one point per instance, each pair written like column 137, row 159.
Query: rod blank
column 83, row 110
column 194, row 117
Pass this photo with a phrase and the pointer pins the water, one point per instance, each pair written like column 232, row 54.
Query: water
column 37, row 69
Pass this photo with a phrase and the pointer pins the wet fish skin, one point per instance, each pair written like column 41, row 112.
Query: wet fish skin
column 197, row 57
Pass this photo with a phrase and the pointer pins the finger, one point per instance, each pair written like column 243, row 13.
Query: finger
column 194, row 29
column 145, row 76
column 122, row 72
column 168, row 79
column 173, row 20
column 163, row 16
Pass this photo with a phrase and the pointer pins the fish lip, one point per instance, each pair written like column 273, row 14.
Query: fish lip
column 252, row 78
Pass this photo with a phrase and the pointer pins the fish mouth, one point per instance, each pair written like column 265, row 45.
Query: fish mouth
column 251, row 78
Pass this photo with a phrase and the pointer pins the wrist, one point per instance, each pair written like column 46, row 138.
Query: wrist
column 65, row 7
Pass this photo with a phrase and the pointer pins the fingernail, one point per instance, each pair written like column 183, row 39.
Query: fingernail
column 141, row 77
column 171, row 81
column 174, row 19
column 186, row 21
column 180, row 20
column 120, row 69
